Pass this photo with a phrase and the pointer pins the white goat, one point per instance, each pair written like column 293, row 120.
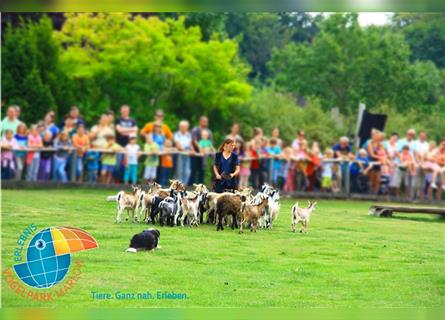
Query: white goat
column 302, row 215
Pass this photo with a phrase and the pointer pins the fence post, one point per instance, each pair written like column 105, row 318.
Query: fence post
column 348, row 179
column 73, row 165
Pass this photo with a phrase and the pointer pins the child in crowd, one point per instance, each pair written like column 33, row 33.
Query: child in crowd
column 158, row 135
column 255, row 165
column 33, row 158
column 151, row 160
column 81, row 141
column 246, row 161
column 313, row 164
column 22, row 143
column 131, row 159
column 406, row 169
column 109, row 158
column 92, row 159
column 46, row 157
column 284, row 166
column 205, row 144
column 291, row 165
column 274, row 150
column 63, row 146
column 439, row 168
column 358, row 170
column 327, row 172
column 8, row 143
column 166, row 163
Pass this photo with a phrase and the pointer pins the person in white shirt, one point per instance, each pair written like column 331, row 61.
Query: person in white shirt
column 183, row 142
column 132, row 155
column 421, row 148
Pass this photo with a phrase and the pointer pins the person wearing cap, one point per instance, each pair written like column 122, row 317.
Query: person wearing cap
column 159, row 120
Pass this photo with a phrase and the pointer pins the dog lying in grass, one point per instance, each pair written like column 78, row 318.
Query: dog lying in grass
column 145, row 240
column 302, row 215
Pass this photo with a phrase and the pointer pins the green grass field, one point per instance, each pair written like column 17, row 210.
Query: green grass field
column 348, row 258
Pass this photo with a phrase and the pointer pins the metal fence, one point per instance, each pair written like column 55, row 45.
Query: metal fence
column 344, row 190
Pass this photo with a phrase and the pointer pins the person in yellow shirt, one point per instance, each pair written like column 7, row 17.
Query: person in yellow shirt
column 159, row 118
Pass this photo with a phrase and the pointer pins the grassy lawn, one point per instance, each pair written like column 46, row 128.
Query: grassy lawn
column 347, row 259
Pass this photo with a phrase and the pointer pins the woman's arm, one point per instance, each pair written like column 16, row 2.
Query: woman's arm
column 215, row 171
column 237, row 168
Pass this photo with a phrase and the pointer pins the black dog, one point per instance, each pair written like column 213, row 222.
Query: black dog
column 146, row 240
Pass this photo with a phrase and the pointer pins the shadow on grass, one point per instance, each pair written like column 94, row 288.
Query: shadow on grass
column 437, row 219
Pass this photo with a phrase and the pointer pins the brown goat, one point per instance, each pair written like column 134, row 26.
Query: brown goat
column 252, row 213
column 229, row 204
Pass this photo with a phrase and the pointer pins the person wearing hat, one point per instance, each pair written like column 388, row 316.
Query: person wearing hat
column 159, row 120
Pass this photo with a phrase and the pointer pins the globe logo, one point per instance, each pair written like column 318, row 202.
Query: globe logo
column 49, row 255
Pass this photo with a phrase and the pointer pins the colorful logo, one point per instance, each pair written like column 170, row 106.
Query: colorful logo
column 49, row 255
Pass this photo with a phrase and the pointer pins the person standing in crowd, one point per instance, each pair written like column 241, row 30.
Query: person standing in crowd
column 76, row 117
column 313, row 164
column 33, row 157
column 125, row 127
column 109, row 158
column 63, row 147
column 235, row 133
column 197, row 173
column 406, row 169
column 257, row 136
column 298, row 140
column 374, row 151
column 327, row 172
column 166, row 163
column 69, row 126
column 440, row 168
column 359, row 169
column 276, row 135
column 183, row 142
column 421, row 148
column 131, row 160
column 11, row 121
column 274, row 150
column 46, row 157
column 20, row 156
column 100, row 131
column 393, row 158
column 8, row 143
column 110, row 118
column 342, row 151
column 159, row 120
column 226, row 167
column 409, row 141
column 289, row 185
column 92, row 158
column 151, row 159
column 49, row 125
column 81, row 142
column 18, row 111
column 255, row 164
column 246, row 160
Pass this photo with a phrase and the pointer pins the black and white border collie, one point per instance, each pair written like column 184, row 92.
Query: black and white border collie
column 145, row 240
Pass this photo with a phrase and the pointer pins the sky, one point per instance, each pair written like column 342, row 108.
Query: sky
column 369, row 18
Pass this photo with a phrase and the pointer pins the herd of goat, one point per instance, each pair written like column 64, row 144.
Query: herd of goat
column 174, row 205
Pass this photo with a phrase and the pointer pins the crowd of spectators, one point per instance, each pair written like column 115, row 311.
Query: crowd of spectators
column 118, row 151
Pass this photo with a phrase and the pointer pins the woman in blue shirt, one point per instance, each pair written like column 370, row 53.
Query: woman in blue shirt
column 226, row 167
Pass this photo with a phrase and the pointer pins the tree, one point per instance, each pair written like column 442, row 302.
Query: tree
column 30, row 68
column 150, row 63
column 425, row 34
column 347, row 64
